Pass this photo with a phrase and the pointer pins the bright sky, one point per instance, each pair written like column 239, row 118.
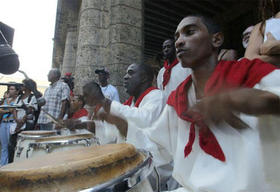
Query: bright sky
column 33, row 21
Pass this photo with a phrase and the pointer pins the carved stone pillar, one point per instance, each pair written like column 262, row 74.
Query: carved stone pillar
column 91, row 50
column 69, row 59
column 126, row 39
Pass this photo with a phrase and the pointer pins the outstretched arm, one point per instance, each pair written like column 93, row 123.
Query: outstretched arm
column 119, row 122
column 221, row 107
column 253, row 50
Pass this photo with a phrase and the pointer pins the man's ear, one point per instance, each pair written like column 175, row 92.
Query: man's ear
column 217, row 39
column 144, row 78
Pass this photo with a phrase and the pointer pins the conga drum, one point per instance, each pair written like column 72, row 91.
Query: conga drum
column 26, row 137
column 59, row 143
column 117, row 167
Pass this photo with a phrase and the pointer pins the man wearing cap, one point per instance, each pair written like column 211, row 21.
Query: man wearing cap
column 108, row 90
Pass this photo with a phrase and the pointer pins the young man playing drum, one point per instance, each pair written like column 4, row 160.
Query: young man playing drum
column 221, row 125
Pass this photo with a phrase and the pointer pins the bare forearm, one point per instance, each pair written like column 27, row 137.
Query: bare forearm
column 63, row 109
column 273, row 59
column 120, row 123
column 254, row 101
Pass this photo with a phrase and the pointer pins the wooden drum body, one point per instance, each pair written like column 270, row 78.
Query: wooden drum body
column 26, row 137
column 88, row 168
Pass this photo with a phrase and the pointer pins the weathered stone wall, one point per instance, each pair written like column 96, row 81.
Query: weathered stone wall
column 69, row 58
column 125, row 38
column 91, row 52
column 66, row 20
column 101, row 33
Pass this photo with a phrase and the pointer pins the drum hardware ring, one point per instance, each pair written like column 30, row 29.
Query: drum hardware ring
column 29, row 148
column 48, row 148
column 95, row 140
column 19, row 151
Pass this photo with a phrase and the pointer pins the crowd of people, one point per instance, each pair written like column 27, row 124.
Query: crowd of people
column 211, row 121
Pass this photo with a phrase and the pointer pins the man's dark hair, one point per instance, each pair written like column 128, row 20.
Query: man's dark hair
column 69, row 82
column 212, row 25
column 148, row 70
column 172, row 40
column 28, row 82
column 90, row 85
column 16, row 85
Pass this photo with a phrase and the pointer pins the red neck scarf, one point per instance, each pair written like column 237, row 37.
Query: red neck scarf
column 167, row 72
column 81, row 113
column 137, row 103
column 227, row 75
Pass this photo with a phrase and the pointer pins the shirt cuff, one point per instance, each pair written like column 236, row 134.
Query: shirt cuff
column 115, row 107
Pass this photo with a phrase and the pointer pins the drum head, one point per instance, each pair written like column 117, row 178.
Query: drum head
column 59, row 138
column 70, row 170
column 38, row 133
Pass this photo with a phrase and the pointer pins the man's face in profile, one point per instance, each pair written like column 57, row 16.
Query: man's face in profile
column 246, row 36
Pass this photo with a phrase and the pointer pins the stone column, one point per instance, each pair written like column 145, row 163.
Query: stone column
column 69, row 58
column 125, row 39
column 92, row 34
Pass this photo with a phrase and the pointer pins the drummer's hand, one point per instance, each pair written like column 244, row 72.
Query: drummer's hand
column 71, row 124
column 17, row 130
column 95, row 97
column 57, row 126
column 218, row 108
column 120, row 123
column 91, row 127
column 100, row 114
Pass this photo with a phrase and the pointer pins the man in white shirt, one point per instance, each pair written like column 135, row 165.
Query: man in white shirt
column 221, row 125
column 108, row 90
column 143, row 106
column 172, row 73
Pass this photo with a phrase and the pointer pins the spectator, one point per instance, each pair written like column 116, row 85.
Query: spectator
column 108, row 90
column 56, row 96
column 264, row 41
column 246, row 36
column 8, row 122
column 172, row 73
column 24, row 117
column 69, row 80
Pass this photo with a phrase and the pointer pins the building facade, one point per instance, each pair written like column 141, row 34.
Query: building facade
column 91, row 34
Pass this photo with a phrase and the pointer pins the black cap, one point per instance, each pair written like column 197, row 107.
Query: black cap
column 104, row 71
